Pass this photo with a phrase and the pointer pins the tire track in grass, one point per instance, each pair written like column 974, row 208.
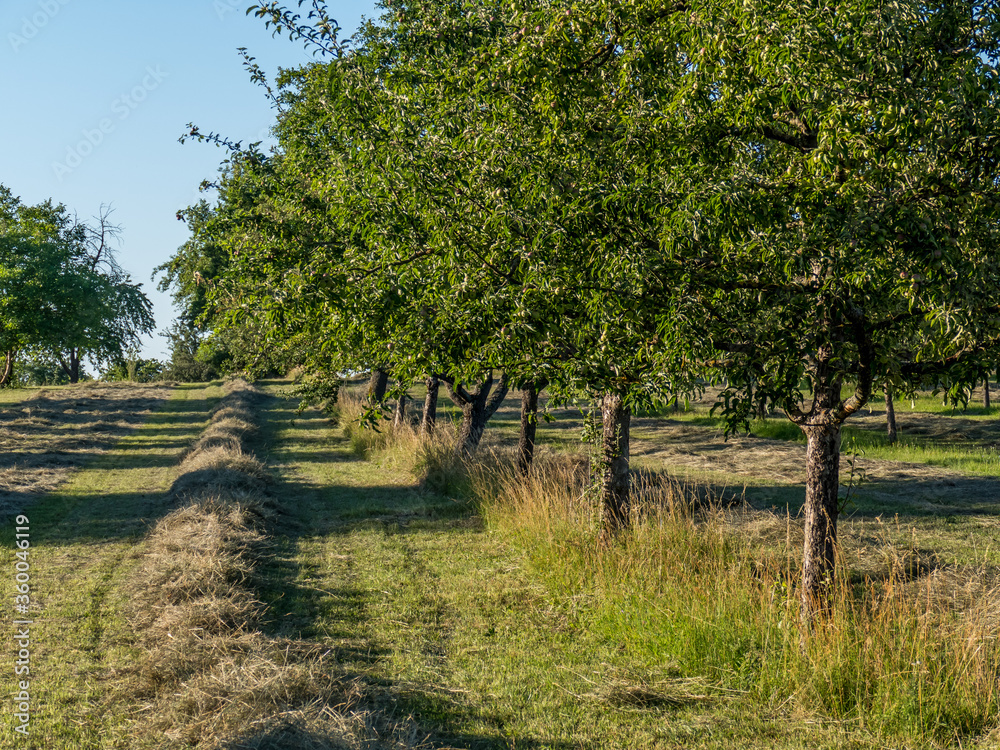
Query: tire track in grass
column 346, row 521
column 450, row 634
column 365, row 556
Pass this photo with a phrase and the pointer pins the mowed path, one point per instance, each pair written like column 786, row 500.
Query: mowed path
column 85, row 536
column 46, row 433
column 450, row 635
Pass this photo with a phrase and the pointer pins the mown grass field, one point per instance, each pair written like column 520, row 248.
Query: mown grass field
column 83, row 540
column 433, row 610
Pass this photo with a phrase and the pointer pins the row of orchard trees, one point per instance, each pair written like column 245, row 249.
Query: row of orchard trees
column 629, row 199
column 62, row 293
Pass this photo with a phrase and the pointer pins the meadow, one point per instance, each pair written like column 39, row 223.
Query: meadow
column 227, row 572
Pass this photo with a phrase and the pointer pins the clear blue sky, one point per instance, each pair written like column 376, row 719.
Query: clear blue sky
column 96, row 94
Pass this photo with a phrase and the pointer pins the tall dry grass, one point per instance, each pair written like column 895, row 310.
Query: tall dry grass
column 709, row 590
column 431, row 458
column 691, row 585
column 703, row 590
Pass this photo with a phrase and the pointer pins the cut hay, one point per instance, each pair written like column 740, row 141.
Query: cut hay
column 210, row 677
column 52, row 432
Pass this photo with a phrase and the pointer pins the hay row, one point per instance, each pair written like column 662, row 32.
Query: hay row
column 52, row 433
column 211, row 676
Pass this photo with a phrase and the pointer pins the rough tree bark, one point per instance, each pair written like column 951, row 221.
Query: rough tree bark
column 986, row 393
column 760, row 405
column 477, row 407
column 822, row 427
column 529, row 425
column 377, row 384
column 8, row 368
column 429, row 417
column 616, row 482
column 890, row 416
column 821, row 509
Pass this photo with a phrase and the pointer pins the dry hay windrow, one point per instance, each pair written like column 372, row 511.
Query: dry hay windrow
column 211, row 678
column 54, row 431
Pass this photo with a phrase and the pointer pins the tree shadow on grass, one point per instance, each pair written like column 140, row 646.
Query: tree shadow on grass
column 381, row 711
column 441, row 715
column 34, row 474
column 302, row 604
column 381, row 731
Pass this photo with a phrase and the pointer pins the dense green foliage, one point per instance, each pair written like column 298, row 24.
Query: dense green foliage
column 135, row 369
column 190, row 272
column 62, row 293
column 612, row 196
column 630, row 200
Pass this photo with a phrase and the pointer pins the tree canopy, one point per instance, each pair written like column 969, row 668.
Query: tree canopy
column 61, row 288
column 632, row 200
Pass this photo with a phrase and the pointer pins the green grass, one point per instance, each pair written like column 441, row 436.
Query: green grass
column 946, row 452
column 511, row 628
column 444, row 620
column 974, row 460
column 12, row 396
column 83, row 544
column 709, row 598
column 521, row 633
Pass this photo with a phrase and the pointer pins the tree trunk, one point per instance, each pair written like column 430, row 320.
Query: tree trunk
column 890, row 416
column 8, row 369
column 71, row 370
column 477, row 408
column 470, row 433
column 430, row 407
column 376, row 386
column 399, row 416
column 822, row 426
column 761, row 407
column 986, row 393
column 615, row 487
column 822, row 505
column 529, row 425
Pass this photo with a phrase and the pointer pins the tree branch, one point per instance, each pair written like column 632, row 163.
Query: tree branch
column 804, row 142
column 498, row 395
column 456, row 392
column 866, row 361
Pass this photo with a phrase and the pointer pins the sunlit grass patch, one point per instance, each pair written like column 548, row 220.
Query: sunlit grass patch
column 688, row 586
column 84, row 539
column 685, row 633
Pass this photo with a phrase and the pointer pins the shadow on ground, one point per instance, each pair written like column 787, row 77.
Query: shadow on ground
column 48, row 436
column 379, row 712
